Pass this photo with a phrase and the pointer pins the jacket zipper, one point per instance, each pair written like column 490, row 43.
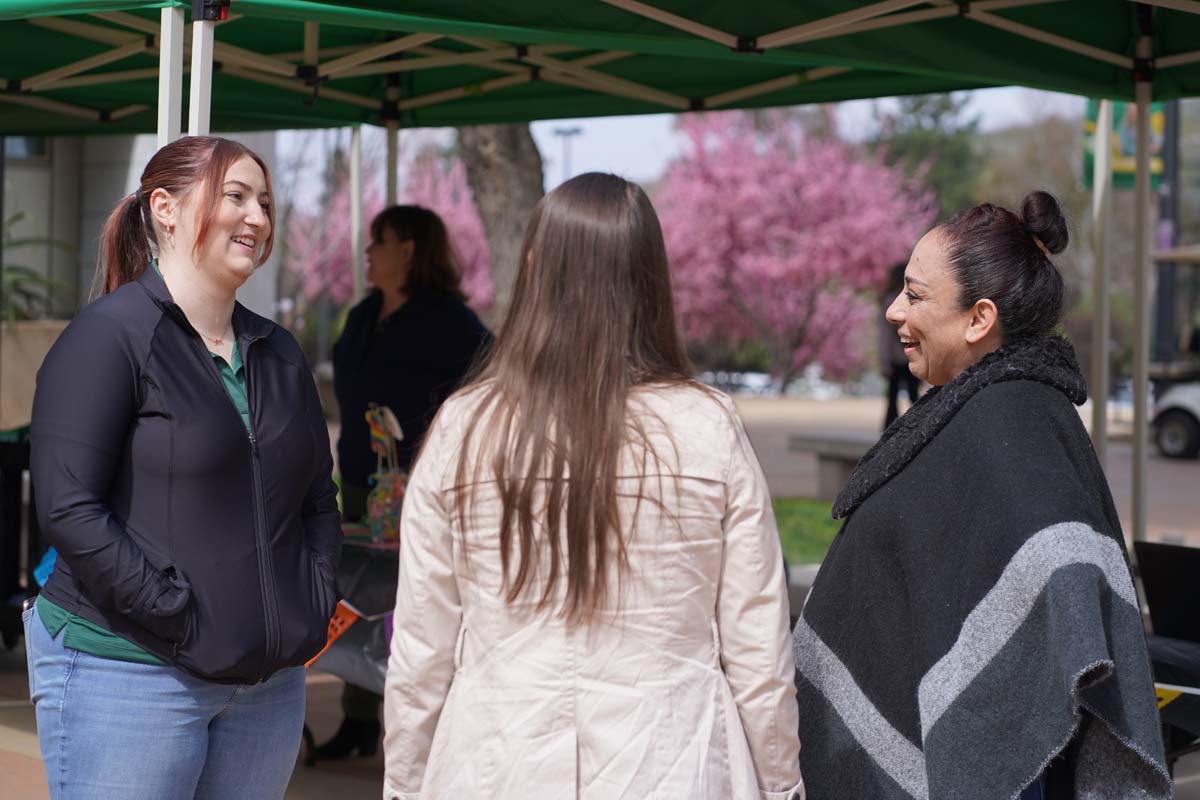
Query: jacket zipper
column 266, row 568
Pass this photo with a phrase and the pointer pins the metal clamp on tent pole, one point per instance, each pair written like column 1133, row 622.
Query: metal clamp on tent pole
column 747, row 44
column 964, row 8
column 1143, row 70
column 210, row 10
column 696, row 104
column 309, row 75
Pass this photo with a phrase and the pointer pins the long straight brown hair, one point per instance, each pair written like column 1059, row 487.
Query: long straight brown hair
column 591, row 318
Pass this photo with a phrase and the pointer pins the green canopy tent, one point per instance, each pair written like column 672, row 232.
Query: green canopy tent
column 74, row 67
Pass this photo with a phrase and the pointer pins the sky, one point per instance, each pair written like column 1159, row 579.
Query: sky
column 639, row 148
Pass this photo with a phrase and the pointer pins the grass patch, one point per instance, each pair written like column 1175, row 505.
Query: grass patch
column 805, row 529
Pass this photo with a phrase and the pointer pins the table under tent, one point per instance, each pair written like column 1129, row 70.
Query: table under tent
column 84, row 67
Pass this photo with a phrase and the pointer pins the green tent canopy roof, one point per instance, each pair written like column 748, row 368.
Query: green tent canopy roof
column 90, row 66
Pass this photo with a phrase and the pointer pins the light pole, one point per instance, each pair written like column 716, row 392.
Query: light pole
column 567, row 134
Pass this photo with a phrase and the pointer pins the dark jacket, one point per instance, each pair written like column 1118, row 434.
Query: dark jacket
column 212, row 549
column 975, row 620
column 410, row 362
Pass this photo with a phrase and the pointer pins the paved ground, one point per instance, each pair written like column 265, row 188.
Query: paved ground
column 1174, row 513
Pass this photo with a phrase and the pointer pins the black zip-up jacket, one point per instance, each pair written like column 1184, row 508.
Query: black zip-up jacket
column 410, row 362
column 212, row 549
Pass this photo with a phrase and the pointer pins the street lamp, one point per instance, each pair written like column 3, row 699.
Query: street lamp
column 567, row 134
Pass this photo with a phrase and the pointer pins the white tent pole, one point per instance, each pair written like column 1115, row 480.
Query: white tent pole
column 1141, row 294
column 200, row 93
column 170, row 76
column 1101, row 219
column 393, row 150
column 356, row 212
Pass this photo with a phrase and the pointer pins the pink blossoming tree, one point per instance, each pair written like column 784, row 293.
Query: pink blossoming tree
column 783, row 237
column 441, row 185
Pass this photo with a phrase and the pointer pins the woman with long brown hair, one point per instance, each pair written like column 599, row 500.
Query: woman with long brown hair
column 591, row 599
column 182, row 470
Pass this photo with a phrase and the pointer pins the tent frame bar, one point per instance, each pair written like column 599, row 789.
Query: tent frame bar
column 451, row 59
column 294, row 85
column 1177, row 60
column 798, row 33
column 773, row 85
column 1187, row 6
column 48, row 79
column 676, row 21
column 1054, row 40
column 332, row 68
column 612, row 84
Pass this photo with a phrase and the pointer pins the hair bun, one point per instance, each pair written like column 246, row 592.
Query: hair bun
column 1044, row 219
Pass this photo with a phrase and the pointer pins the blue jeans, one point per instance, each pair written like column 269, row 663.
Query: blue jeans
column 116, row 730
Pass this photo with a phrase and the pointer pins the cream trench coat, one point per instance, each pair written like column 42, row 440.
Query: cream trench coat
column 680, row 687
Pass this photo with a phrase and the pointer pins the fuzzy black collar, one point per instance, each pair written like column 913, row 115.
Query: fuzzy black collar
column 1050, row 361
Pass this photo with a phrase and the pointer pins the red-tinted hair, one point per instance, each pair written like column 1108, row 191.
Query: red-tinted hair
column 180, row 167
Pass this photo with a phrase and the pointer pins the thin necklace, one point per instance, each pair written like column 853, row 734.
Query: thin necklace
column 217, row 340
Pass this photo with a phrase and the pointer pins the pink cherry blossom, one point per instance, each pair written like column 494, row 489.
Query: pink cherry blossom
column 783, row 237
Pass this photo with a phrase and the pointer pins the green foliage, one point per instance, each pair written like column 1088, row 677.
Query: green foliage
column 931, row 138
column 715, row 354
column 806, row 529
column 25, row 291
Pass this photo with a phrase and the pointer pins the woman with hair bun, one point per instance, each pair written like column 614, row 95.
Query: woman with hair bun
column 182, row 469
column 974, row 631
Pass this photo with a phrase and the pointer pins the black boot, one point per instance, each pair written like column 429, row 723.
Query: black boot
column 353, row 737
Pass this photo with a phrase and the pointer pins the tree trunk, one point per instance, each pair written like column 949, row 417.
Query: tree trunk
column 504, row 170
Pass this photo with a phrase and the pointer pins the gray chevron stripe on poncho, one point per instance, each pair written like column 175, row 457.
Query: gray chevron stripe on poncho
column 974, row 624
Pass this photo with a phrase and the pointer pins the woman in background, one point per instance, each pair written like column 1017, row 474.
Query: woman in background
column 406, row 346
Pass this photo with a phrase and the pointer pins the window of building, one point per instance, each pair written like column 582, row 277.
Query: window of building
column 25, row 147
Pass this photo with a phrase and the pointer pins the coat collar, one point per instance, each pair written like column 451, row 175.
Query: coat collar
column 247, row 326
column 1049, row 360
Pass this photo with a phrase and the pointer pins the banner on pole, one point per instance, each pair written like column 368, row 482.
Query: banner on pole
column 1124, row 144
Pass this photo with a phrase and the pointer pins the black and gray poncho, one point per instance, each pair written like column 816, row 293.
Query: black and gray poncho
column 974, row 624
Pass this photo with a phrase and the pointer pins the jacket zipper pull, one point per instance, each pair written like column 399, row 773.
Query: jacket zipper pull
column 253, row 442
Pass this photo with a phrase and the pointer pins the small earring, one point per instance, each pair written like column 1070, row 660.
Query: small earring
column 171, row 236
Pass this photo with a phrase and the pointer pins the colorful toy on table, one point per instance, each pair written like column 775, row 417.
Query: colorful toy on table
column 387, row 484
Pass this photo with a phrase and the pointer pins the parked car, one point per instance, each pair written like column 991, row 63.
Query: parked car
column 1177, row 421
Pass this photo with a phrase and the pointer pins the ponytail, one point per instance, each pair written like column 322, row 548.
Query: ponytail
column 124, row 247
